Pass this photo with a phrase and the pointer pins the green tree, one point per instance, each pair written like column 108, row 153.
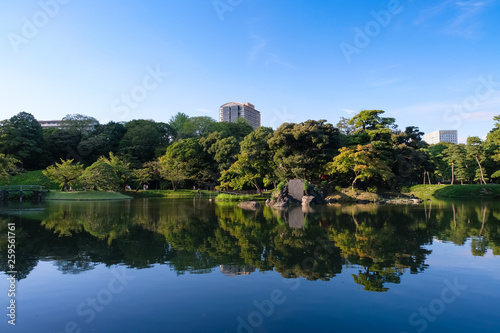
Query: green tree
column 141, row 176
column 475, row 149
column 78, row 123
column 21, row 137
column 455, row 156
column 437, row 156
column 177, row 123
column 254, row 165
column 120, row 167
column 61, row 144
column 344, row 126
column 197, row 127
column 7, row 166
column 360, row 163
column 64, row 173
column 100, row 176
column 172, row 170
column 302, row 150
column 371, row 120
column 144, row 140
column 101, row 141
column 493, row 142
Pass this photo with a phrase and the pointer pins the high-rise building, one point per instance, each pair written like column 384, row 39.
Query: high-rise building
column 230, row 112
column 441, row 136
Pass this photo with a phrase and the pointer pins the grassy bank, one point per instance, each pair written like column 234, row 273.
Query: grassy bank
column 85, row 196
column 248, row 197
column 348, row 195
column 474, row 191
column 178, row 194
column 31, row 178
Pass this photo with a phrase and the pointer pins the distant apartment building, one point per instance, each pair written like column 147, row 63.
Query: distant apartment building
column 230, row 112
column 50, row 123
column 441, row 136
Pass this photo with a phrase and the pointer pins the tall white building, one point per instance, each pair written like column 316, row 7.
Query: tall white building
column 441, row 136
column 231, row 111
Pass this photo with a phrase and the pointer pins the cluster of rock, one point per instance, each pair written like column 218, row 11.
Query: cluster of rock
column 250, row 205
column 299, row 192
column 295, row 193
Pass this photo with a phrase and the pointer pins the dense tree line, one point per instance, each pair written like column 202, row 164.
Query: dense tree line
column 368, row 150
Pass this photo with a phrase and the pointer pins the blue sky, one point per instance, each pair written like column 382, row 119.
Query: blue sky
column 432, row 64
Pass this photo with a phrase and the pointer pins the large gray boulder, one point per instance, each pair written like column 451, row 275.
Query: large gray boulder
column 296, row 189
column 250, row 205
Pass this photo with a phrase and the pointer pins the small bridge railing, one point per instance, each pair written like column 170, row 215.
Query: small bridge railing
column 22, row 188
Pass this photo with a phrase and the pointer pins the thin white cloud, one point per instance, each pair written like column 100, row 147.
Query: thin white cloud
column 465, row 23
column 480, row 116
column 349, row 111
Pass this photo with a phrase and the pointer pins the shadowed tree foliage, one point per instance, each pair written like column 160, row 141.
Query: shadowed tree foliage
column 359, row 163
column 7, row 167
column 254, row 165
column 21, row 137
column 144, row 140
column 302, row 150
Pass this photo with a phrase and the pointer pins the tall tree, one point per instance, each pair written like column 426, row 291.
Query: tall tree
column 144, row 140
column 177, row 123
column 61, row 144
column 120, row 167
column 361, row 163
column 475, row 149
column 64, row 173
column 371, row 120
column 7, row 166
column 78, row 123
column 254, row 164
column 344, row 126
column 21, row 137
column 101, row 141
column 493, row 142
column 172, row 170
column 100, row 176
column 302, row 150
column 455, row 156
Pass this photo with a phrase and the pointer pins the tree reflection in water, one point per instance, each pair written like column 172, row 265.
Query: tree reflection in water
column 199, row 236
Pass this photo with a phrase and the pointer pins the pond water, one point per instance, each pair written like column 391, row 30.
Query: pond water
column 156, row 265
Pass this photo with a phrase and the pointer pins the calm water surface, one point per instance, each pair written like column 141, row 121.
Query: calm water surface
column 196, row 266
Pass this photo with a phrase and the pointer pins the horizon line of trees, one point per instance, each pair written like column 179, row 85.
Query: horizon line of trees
column 368, row 150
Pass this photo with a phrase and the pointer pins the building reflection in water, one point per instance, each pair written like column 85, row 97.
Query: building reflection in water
column 233, row 270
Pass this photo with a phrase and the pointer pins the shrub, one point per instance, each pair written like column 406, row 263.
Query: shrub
column 372, row 189
column 281, row 185
column 100, row 176
column 405, row 189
